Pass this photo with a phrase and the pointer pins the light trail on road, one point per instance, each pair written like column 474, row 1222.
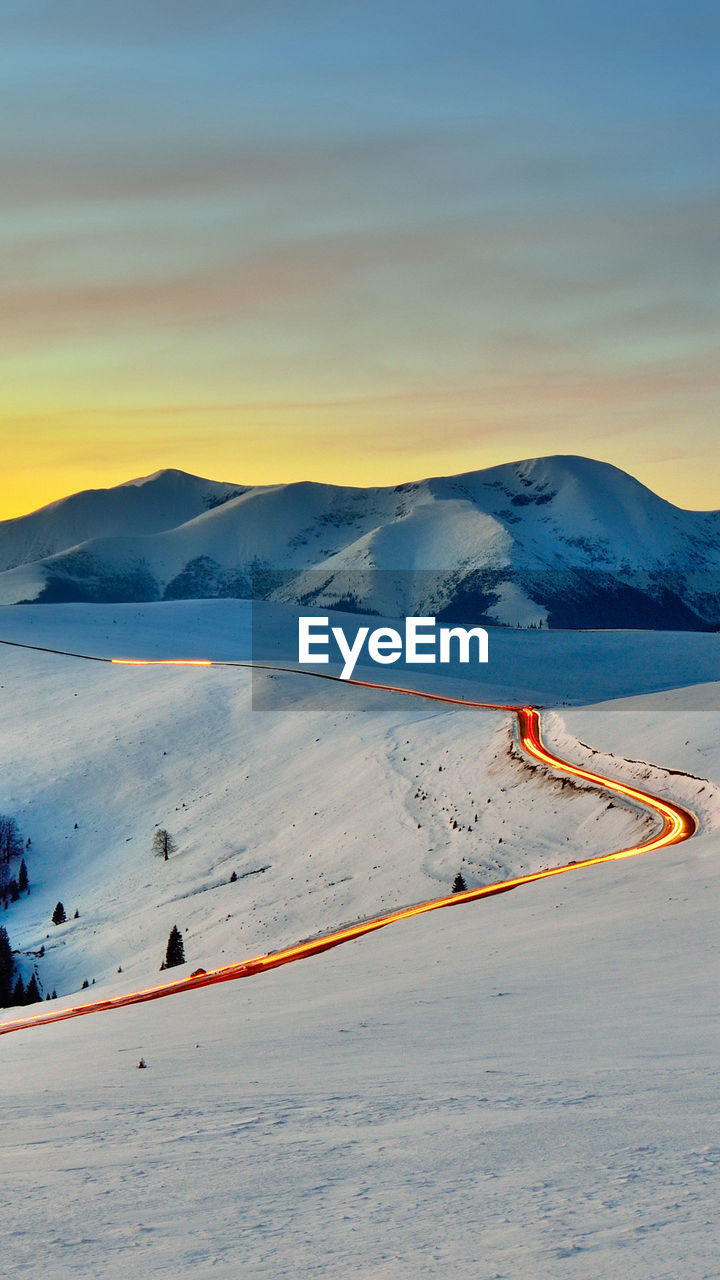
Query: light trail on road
column 678, row 824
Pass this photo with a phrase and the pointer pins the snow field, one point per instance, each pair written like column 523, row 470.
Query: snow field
column 417, row 793
column 525, row 1086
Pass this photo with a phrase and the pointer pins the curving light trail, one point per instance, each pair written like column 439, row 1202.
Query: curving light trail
column 678, row 824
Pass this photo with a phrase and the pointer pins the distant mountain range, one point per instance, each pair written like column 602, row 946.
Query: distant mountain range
column 561, row 541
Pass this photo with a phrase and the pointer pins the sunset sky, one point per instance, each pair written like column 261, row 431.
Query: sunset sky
column 357, row 242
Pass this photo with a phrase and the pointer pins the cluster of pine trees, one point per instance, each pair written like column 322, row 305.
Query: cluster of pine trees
column 12, row 988
column 12, row 883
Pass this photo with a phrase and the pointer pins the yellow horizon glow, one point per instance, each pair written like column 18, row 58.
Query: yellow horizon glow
column 381, row 442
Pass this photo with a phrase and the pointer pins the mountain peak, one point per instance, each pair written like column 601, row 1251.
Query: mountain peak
column 170, row 475
column 566, row 540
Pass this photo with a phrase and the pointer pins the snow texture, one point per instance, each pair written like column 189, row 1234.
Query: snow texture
column 525, row 1086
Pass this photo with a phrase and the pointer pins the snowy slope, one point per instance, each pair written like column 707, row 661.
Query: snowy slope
column 120, row 752
column 564, row 541
column 540, row 666
column 418, row 791
column 522, row 1087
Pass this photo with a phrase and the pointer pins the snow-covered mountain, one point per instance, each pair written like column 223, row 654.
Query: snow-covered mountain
column 563, row 541
column 145, row 506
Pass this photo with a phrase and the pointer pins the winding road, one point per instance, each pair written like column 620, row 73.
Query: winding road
column 678, row 824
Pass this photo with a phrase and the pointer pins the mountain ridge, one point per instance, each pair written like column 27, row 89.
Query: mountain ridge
column 558, row 541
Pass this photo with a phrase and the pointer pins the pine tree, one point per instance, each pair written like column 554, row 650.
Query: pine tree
column 32, row 991
column 163, row 844
column 175, row 953
column 459, row 885
column 58, row 915
column 18, row 995
column 23, row 882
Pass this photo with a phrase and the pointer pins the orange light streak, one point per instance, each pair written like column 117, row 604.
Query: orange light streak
column 162, row 662
column 678, row 824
